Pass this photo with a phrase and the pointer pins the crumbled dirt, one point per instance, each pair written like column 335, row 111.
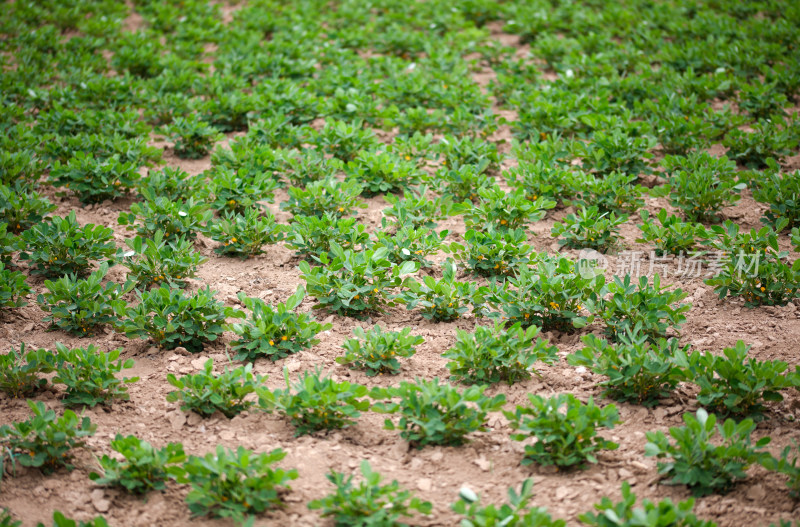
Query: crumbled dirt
column 489, row 464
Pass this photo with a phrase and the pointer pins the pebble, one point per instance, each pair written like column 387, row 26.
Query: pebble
column 424, row 484
column 101, row 504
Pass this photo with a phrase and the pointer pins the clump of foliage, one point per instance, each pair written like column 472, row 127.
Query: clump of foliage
column 143, row 467
column 13, row 288
column 516, row 513
column 21, row 370
column 172, row 319
column 491, row 355
column 193, row 138
column 376, row 351
column 589, row 229
column 445, row 299
column 157, row 261
column 245, row 234
column 672, row 236
column 566, row 430
column 492, row 253
column 45, row 441
column 331, row 196
column 702, row 462
column 90, row 375
column 354, row 283
column 94, row 180
column 638, row 370
column 316, row 403
column 182, row 218
column 205, row 393
column 369, row 503
column 235, row 483
column 432, row 413
column 80, row 306
column 59, row 246
column 275, row 332
column 753, row 266
column 626, row 514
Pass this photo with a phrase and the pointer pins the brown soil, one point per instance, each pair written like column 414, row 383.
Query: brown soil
column 489, row 464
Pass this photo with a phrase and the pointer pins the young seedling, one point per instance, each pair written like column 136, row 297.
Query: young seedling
column 275, row 332
column 566, row 430
column 369, row 503
column 492, row 355
column 205, row 393
column 376, row 351
column 143, row 467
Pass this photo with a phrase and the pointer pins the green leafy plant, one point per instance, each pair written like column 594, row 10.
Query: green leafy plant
column 752, row 265
column 464, row 182
column 626, row 514
column 205, row 393
column 275, row 332
column 565, row 427
column 45, row 441
column 376, row 351
column 170, row 183
column 542, row 179
column 174, row 218
column 354, row 283
column 9, row 244
column 436, row 414
column 345, row 140
column 615, row 192
column 502, row 210
column 59, row 520
column 516, row 513
column 316, row 403
column 20, row 371
column 171, row 319
column 589, row 229
column 94, row 180
column 445, row 299
column 193, row 138
column 369, row 503
column 550, row 294
column 769, row 139
column 791, row 469
column 13, row 288
column 411, row 244
column 22, row 208
column 235, row 483
column 338, row 198
column 90, row 375
column 672, row 236
column 418, row 208
column 703, row 465
column 638, row 370
column 701, row 185
column 156, row 261
column 456, row 152
column 735, row 384
column 492, row 253
column 617, row 151
column 491, row 355
column 382, row 172
column 649, row 306
column 6, row 520
column 237, row 191
column 781, row 193
column 312, row 235
column 61, row 245
column 245, row 234
column 143, row 467
column 81, row 306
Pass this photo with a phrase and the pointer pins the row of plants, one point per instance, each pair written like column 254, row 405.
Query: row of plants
column 705, row 456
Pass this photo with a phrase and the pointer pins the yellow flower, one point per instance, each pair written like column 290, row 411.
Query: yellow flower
column 503, row 222
column 233, row 240
column 356, row 297
column 341, row 209
column 375, row 290
column 271, row 342
column 284, row 337
column 408, row 158
column 232, row 202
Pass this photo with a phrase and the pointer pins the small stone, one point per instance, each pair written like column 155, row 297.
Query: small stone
column 562, row 492
column 483, row 463
column 293, row 365
column 424, row 484
column 98, row 500
column 28, row 328
column 756, row 493
column 624, row 473
column 177, row 420
column 199, row 363
column 437, row 456
column 180, row 350
column 172, row 358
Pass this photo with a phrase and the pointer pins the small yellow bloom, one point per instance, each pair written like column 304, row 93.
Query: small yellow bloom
column 271, row 342
column 356, row 297
column 284, row 338
column 341, row 209
column 233, row 240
